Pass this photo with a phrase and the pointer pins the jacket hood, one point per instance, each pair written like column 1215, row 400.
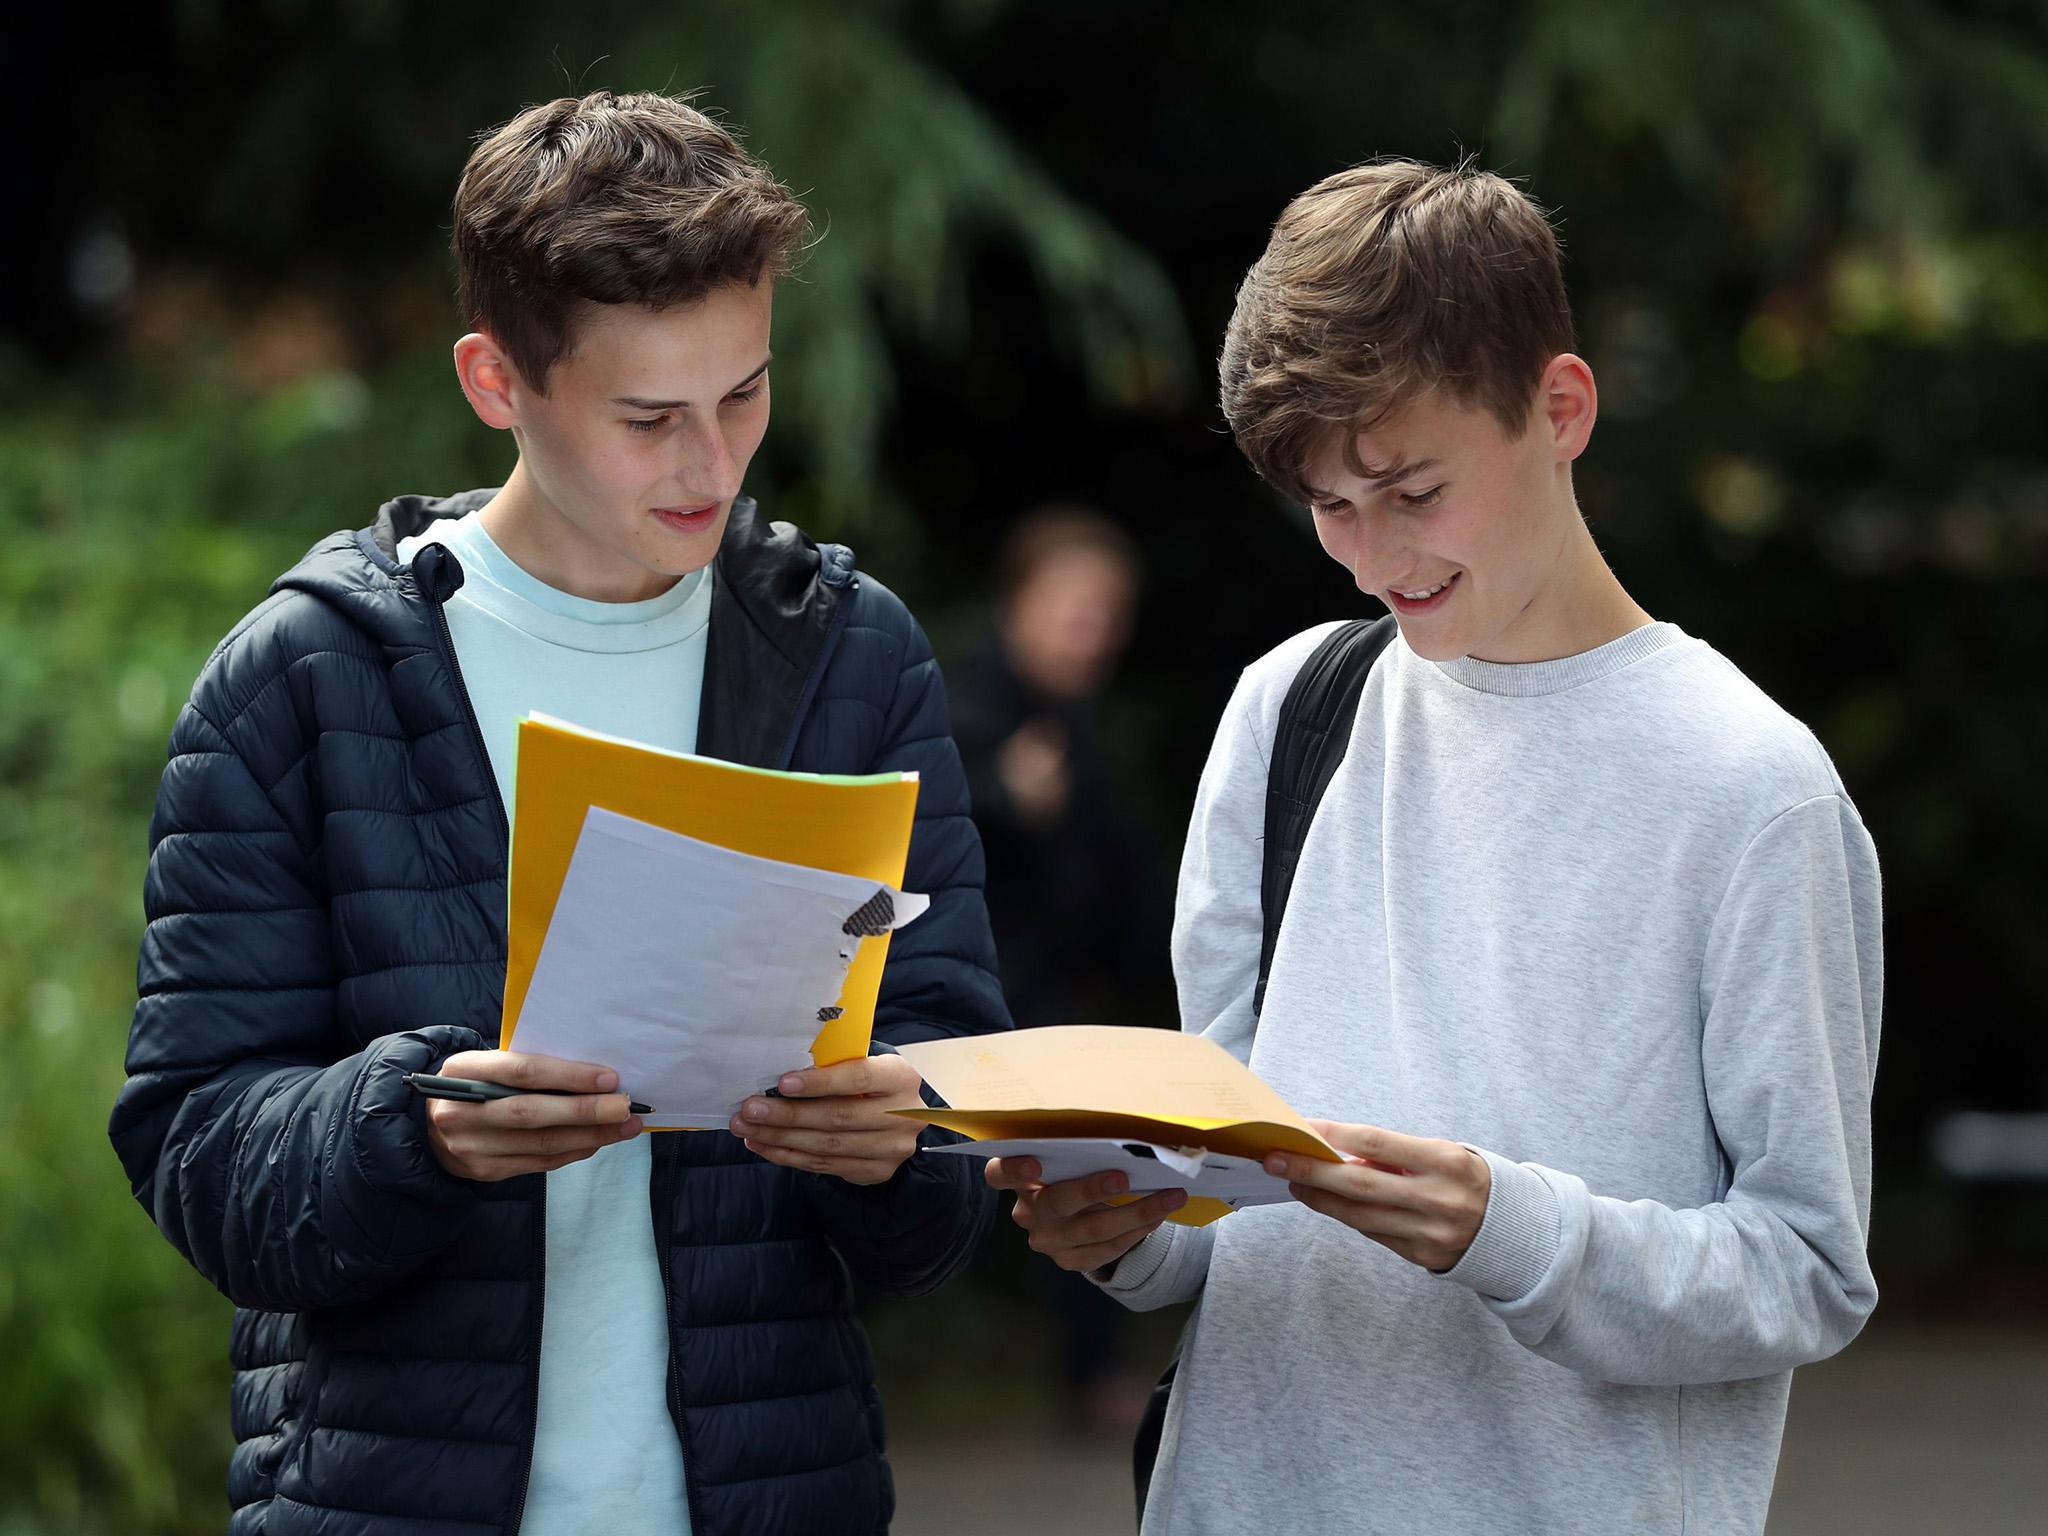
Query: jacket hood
column 775, row 607
column 782, row 581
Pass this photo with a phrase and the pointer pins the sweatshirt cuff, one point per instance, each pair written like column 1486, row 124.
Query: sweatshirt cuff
column 1518, row 1237
column 1133, row 1269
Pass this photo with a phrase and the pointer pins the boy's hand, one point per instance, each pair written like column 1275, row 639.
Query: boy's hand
column 836, row 1119
column 1033, row 767
column 1070, row 1222
column 570, row 1112
column 1421, row 1197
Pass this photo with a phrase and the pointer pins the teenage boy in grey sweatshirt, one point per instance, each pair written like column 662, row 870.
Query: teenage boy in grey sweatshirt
column 1581, row 967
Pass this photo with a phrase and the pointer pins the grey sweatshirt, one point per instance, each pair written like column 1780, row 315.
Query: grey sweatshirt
column 1612, row 922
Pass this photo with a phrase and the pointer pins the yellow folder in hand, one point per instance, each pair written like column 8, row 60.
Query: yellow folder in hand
column 852, row 826
column 1096, row 1080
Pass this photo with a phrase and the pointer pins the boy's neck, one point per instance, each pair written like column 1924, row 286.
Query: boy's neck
column 537, row 538
column 1580, row 607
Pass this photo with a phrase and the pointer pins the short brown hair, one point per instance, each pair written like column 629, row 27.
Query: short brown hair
column 1379, row 285
column 610, row 200
column 1047, row 533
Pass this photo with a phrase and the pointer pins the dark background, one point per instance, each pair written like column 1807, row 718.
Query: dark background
column 1805, row 242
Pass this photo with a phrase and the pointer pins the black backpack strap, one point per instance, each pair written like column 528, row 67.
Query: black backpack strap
column 1314, row 731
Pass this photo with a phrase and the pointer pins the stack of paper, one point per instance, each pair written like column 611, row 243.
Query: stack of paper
column 700, row 927
column 1169, row 1110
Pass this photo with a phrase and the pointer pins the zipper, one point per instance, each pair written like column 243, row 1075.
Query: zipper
column 540, row 1247
column 664, row 1237
column 476, row 730
column 825, row 654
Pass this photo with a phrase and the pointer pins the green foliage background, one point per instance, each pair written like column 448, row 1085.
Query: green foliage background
column 1807, row 243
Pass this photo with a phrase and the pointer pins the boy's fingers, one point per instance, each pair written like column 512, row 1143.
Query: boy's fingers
column 1106, row 1224
column 1070, row 1196
column 1117, row 1220
column 863, row 1075
column 1012, row 1172
column 886, row 1077
column 1098, row 1222
column 859, row 1144
column 836, row 1113
column 1389, row 1149
column 860, row 1170
column 520, row 1069
column 545, row 1142
column 1349, row 1181
column 536, row 1111
column 1373, row 1220
column 842, row 1077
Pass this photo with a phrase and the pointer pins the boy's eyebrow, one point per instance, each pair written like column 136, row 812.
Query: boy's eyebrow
column 1383, row 477
column 1377, row 479
column 641, row 403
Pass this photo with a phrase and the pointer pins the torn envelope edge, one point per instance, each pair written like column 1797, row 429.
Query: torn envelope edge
column 1233, row 1138
column 1216, row 1184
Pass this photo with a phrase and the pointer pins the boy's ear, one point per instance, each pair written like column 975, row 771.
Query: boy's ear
column 489, row 380
column 1570, row 403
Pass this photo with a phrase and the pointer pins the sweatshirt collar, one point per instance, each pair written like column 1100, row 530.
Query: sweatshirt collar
column 1528, row 679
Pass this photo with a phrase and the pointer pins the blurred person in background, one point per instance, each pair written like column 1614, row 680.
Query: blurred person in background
column 1073, row 887
column 1076, row 887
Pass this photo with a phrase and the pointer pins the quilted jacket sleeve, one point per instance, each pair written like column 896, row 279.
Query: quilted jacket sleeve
column 913, row 1232
column 290, row 1171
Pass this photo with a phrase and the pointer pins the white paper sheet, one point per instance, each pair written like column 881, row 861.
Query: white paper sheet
column 696, row 973
column 1236, row 1181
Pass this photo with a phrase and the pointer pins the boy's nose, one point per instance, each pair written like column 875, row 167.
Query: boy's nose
column 1370, row 559
column 708, row 467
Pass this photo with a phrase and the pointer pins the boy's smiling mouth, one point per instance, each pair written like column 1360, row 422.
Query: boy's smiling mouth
column 688, row 519
column 1422, row 599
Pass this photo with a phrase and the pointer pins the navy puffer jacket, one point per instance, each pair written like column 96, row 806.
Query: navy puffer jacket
column 326, row 905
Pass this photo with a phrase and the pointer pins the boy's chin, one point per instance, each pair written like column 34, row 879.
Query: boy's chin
column 1429, row 647
column 680, row 552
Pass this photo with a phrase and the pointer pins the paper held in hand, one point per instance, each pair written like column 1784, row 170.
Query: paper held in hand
column 699, row 974
column 676, row 917
column 1081, row 1097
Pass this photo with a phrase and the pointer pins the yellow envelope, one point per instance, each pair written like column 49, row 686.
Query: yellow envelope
column 853, row 826
column 1155, row 1085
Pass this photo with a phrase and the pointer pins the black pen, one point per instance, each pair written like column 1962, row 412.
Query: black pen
column 470, row 1090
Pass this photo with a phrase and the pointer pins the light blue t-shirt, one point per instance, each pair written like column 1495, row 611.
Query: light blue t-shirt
column 605, row 1453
